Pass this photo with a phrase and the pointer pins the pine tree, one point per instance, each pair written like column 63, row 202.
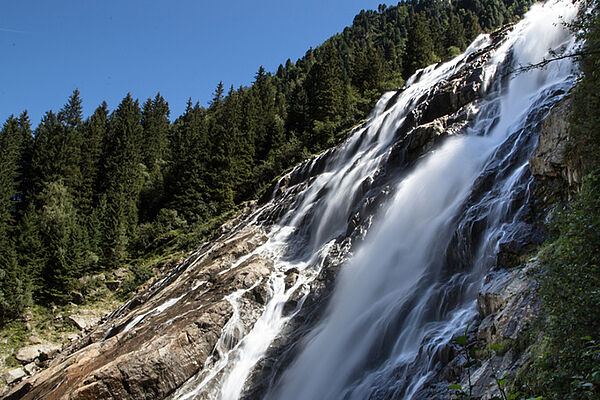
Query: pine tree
column 187, row 186
column 25, row 158
column 14, row 291
column 155, row 146
column 71, row 114
column 327, row 99
column 69, row 163
column 155, row 123
column 267, row 134
column 472, row 27
column 63, row 240
column 218, row 95
column 31, row 250
column 9, row 175
column 94, row 136
column 419, row 46
column 123, row 177
column 48, row 151
column 57, row 150
column 455, row 34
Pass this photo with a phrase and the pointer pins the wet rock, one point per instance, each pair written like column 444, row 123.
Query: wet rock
column 291, row 276
column 549, row 160
column 250, row 272
column 493, row 296
column 289, row 307
column 260, row 295
column 507, row 304
column 13, row 376
column 424, row 136
column 482, row 378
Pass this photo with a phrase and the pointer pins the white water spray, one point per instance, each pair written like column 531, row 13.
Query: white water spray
column 397, row 302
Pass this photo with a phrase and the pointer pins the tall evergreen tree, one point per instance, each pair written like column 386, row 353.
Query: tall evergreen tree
column 64, row 243
column 155, row 146
column 123, row 175
column 472, row 27
column 419, row 46
column 14, row 291
column 188, row 187
column 94, row 135
column 218, row 95
column 455, row 34
column 327, row 98
column 71, row 119
column 25, row 159
column 10, row 142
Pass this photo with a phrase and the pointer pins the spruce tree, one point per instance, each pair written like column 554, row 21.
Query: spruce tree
column 472, row 27
column 217, row 96
column 64, row 243
column 14, row 290
column 455, row 34
column 419, row 46
column 326, row 95
column 25, row 159
column 69, row 162
column 155, row 146
column 94, row 135
column 10, row 141
column 123, row 175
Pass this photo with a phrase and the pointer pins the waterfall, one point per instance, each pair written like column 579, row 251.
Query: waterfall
column 408, row 284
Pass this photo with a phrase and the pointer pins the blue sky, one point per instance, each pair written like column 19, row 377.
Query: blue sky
column 181, row 48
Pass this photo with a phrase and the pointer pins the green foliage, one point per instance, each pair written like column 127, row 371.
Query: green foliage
column 567, row 363
column 140, row 275
column 14, row 289
column 64, row 243
column 420, row 51
column 585, row 118
column 123, row 180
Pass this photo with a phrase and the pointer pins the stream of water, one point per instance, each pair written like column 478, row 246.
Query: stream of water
column 411, row 285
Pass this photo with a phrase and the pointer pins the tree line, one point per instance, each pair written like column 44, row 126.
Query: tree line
column 82, row 195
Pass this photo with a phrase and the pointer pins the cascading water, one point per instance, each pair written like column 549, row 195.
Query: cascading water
column 412, row 283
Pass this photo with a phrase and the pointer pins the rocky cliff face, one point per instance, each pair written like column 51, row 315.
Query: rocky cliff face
column 176, row 330
column 549, row 162
column 508, row 302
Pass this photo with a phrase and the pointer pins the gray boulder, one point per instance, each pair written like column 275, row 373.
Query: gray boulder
column 13, row 376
